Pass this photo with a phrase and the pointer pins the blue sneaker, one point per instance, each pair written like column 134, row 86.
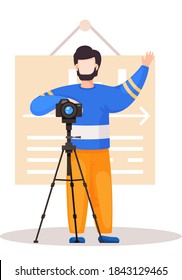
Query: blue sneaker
column 80, row 240
column 108, row 239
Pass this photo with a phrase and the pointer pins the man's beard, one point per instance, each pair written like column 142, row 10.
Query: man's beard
column 87, row 77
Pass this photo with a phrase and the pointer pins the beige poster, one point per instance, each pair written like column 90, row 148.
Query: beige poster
column 39, row 140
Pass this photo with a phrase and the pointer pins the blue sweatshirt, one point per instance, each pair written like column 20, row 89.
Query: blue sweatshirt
column 97, row 102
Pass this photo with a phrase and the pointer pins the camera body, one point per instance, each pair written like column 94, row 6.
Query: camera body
column 68, row 110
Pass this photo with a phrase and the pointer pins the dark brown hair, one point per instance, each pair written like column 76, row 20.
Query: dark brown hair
column 85, row 52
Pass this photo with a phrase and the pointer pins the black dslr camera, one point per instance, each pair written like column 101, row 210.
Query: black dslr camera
column 68, row 110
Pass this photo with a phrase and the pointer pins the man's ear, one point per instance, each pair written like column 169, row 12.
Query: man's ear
column 96, row 66
column 76, row 66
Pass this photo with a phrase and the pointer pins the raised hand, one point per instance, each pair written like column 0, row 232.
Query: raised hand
column 147, row 59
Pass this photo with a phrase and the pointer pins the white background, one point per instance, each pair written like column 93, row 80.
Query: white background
column 132, row 27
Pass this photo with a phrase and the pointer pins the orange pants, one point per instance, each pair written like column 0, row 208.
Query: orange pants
column 95, row 165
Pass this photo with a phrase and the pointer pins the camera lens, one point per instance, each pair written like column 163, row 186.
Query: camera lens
column 68, row 110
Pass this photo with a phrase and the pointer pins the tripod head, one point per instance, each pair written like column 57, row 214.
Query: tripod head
column 68, row 147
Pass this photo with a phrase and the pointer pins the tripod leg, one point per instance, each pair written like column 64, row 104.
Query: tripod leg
column 89, row 199
column 73, row 196
column 52, row 185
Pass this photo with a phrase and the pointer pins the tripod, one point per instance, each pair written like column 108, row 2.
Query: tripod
column 69, row 148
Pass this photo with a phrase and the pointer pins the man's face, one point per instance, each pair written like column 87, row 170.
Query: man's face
column 87, row 68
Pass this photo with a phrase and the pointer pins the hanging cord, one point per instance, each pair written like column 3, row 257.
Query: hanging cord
column 104, row 40
column 85, row 26
column 69, row 37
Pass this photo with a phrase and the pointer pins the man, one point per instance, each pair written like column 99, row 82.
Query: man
column 93, row 127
